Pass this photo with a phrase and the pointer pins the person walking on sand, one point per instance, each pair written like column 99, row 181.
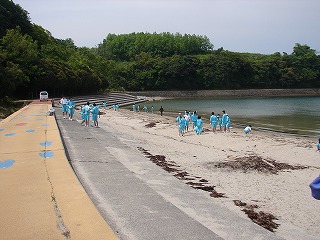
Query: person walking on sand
column 224, row 121
column 152, row 109
column 213, row 120
column 161, row 110
column 187, row 118
column 134, row 107
column 198, row 127
column 194, row 118
column 181, row 124
column 63, row 102
column 138, row 108
column 104, row 105
column 228, row 123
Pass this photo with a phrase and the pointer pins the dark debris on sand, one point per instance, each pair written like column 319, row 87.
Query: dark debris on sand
column 151, row 125
column 263, row 219
column 257, row 163
column 173, row 168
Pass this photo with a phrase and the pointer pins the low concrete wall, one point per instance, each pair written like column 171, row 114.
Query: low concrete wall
column 230, row 93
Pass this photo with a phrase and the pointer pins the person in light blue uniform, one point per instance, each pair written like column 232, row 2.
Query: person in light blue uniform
column 187, row 118
column 138, row 108
column 152, row 109
column 95, row 112
column 181, row 124
column 70, row 105
column 104, row 105
column 318, row 145
column 82, row 115
column 213, row 120
column 224, row 121
column 194, row 118
column 198, row 127
column 117, row 106
column 134, row 107
column 86, row 114
column 63, row 102
column 228, row 123
column 145, row 108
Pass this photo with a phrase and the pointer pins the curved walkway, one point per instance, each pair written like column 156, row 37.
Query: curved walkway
column 41, row 198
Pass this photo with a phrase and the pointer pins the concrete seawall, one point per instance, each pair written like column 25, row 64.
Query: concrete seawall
column 230, row 93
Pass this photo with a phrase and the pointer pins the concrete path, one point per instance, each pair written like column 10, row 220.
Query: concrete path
column 141, row 201
column 41, row 198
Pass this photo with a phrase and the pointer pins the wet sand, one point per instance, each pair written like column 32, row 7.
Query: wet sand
column 264, row 173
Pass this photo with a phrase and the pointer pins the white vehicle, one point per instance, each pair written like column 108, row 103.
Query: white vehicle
column 44, row 96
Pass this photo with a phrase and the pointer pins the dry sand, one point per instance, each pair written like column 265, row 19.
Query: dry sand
column 285, row 194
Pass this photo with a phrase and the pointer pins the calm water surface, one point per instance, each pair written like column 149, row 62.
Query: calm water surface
column 295, row 115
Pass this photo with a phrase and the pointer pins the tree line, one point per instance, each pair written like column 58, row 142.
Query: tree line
column 31, row 60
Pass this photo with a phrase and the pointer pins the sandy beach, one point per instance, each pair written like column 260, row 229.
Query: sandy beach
column 267, row 172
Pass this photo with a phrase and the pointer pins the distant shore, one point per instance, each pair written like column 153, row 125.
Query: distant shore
column 229, row 93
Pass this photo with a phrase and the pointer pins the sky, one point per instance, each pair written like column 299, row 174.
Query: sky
column 255, row 26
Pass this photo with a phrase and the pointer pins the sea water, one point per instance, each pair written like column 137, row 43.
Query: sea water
column 293, row 115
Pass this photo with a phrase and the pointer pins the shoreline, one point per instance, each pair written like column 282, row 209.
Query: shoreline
column 228, row 93
column 235, row 125
column 285, row 194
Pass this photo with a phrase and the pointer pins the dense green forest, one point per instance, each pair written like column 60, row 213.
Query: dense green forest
column 31, row 60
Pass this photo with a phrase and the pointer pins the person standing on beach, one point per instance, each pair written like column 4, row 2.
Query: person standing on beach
column 187, row 118
column 219, row 121
column 213, row 120
column 104, row 105
column 63, row 102
column 224, row 121
column 152, row 109
column 228, row 123
column 194, row 118
column 161, row 110
column 318, row 145
column 181, row 124
column 134, row 107
column 198, row 127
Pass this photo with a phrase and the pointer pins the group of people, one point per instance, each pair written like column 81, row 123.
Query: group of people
column 85, row 112
column 137, row 108
column 68, row 109
column 223, row 122
column 183, row 122
column 67, row 106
